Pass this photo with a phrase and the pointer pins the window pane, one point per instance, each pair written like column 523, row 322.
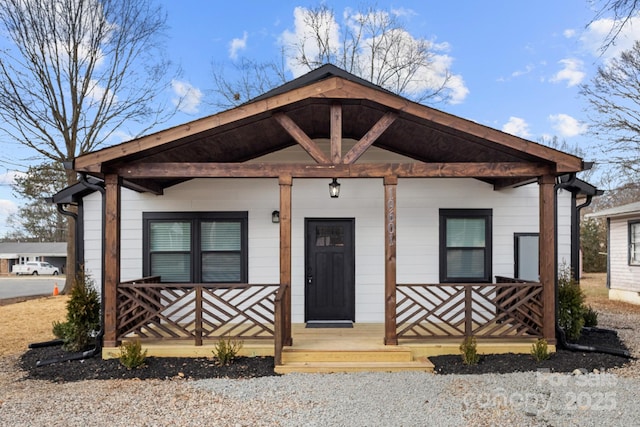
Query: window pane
column 465, row 232
column 171, row 267
column 635, row 243
column 221, row 267
column 465, row 263
column 330, row 235
column 220, row 236
column 170, row 236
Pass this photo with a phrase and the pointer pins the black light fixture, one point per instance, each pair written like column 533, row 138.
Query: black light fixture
column 275, row 217
column 334, row 188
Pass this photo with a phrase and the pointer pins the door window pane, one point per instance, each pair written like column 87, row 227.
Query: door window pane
column 329, row 235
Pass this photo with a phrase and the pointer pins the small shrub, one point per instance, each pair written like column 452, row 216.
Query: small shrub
column 540, row 350
column 590, row 317
column 226, row 350
column 469, row 351
column 570, row 305
column 131, row 354
column 83, row 315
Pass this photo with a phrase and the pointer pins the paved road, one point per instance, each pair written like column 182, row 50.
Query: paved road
column 11, row 287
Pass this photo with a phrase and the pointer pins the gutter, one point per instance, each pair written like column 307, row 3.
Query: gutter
column 560, row 334
column 98, row 346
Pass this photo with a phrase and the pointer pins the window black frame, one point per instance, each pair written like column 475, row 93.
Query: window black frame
column 630, row 224
column 487, row 215
column 196, row 218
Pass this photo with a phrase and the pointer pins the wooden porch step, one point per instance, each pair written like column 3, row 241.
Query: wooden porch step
column 382, row 355
column 423, row 365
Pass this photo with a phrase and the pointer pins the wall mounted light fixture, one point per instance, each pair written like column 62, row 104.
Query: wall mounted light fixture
column 334, row 188
column 275, row 217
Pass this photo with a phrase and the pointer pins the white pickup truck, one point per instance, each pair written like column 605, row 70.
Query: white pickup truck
column 35, row 268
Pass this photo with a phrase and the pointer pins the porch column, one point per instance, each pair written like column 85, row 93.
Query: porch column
column 285, row 254
column 390, row 185
column 547, row 256
column 111, row 257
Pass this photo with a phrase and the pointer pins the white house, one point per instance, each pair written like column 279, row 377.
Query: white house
column 623, row 255
column 226, row 225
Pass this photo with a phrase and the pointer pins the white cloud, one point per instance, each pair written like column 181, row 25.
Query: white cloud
column 593, row 37
column 517, row 126
column 188, row 97
column 572, row 72
column 569, row 33
column 526, row 70
column 8, row 178
column 237, row 45
column 7, row 207
column 435, row 76
column 566, row 125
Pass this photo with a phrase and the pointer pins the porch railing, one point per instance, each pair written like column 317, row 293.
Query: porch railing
column 150, row 310
column 510, row 308
column 282, row 323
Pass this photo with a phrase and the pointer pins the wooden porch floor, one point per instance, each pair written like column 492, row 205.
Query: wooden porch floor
column 360, row 348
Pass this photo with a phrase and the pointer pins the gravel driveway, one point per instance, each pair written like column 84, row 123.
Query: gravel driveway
column 362, row 399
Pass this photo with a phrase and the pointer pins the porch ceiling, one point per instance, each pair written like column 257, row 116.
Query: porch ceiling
column 252, row 130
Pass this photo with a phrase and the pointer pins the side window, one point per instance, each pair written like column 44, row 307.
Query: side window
column 634, row 243
column 196, row 247
column 526, row 252
column 465, row 245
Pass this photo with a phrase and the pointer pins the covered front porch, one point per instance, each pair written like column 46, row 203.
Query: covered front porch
column 325, row 126
column 189, row 319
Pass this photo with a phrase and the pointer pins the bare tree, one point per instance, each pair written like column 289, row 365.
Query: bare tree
column 613, row 96
column 76, row 72
column 622, row 11
column 370, row 43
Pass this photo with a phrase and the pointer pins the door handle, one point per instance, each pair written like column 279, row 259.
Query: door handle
column 309, row 280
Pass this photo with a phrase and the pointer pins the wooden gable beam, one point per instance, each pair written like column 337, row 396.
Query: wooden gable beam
column 565, row 162
column 370, row 137
column 336, row 133
column 302, row 138
column 374, row 170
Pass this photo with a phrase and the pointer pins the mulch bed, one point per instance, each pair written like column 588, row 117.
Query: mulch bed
column 250, row 367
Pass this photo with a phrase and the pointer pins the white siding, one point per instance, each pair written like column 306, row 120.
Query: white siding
column 419, row 200
column 622, row 275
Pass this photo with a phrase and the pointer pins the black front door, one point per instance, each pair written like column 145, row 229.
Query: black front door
column 330, row 270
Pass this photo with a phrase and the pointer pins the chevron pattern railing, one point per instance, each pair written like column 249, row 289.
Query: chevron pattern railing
column 499, row 310
column 160, row 311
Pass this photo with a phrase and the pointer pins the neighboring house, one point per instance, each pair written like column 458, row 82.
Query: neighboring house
column 225, row 225
column 623, row 262
column 12, row 253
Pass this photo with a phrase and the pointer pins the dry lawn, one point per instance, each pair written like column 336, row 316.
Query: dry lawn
column 594, row 286
column 29, row 321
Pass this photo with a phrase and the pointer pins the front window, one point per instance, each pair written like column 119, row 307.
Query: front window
column 465, row 245
column 634, row 243
column 196, row 247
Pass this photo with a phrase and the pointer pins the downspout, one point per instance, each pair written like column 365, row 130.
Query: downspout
column 560, row 334
column 98, row 346
column 60, row 208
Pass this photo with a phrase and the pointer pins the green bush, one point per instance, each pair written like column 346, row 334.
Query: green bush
column 131, row 354
column 540, row 350
column 469, row 351
column 590, row 317
column 226, row 350
column 83, row 315
column 570, row 305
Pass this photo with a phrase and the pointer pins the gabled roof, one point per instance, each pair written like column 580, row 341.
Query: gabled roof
column 618, row 211
column 254, row 129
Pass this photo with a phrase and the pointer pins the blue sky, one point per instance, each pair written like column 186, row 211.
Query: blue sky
column 517, row 64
